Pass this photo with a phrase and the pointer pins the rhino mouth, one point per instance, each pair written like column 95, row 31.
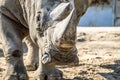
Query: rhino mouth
column 64, row 57
column 55, row 56
column 60, row 37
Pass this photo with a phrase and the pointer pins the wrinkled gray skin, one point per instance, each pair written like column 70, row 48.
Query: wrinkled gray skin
column 51, row 25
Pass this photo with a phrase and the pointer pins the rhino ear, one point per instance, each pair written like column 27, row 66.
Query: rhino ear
column 76, row 3
column 60, row 12
column 81, row 5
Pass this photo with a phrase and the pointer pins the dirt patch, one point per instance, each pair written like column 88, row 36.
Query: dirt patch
column 99, row 56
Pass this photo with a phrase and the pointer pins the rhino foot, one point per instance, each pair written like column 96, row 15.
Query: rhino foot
column 16, row 77
column 50, row 73
column 15, row 70
column 31, row 67
column 31, row 64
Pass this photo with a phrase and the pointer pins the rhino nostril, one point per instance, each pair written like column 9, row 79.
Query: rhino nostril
column 38, row 17
column 46, row 58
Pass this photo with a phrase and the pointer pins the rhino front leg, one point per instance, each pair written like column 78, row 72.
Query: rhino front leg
column 48, row 72
column 12, row 46
column 32, row 57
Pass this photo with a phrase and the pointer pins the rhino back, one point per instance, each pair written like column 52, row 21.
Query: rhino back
column 13, row 10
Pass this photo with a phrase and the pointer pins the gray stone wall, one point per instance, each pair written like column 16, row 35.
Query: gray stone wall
column 117, row 13
column 103, row 15
column 98, row 16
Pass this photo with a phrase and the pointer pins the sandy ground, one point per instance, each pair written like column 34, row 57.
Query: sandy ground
column 99, row 55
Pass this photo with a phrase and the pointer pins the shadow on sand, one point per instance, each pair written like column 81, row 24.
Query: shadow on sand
column 115, row 75
column 1, row 53
column 78, row 77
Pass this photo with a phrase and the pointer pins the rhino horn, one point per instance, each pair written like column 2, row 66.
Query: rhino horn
column 64, row 34
column 60, row 12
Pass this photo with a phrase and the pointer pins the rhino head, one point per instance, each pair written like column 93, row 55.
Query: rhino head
column 56, row 31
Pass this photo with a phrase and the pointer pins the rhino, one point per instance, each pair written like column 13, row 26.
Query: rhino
column 51, row 27
column 32, row 58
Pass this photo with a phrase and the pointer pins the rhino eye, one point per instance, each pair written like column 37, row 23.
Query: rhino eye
column 40, row 32
column 38, row 17
column 38, row 29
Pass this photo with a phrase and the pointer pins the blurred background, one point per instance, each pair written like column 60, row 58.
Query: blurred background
column 102, row 15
